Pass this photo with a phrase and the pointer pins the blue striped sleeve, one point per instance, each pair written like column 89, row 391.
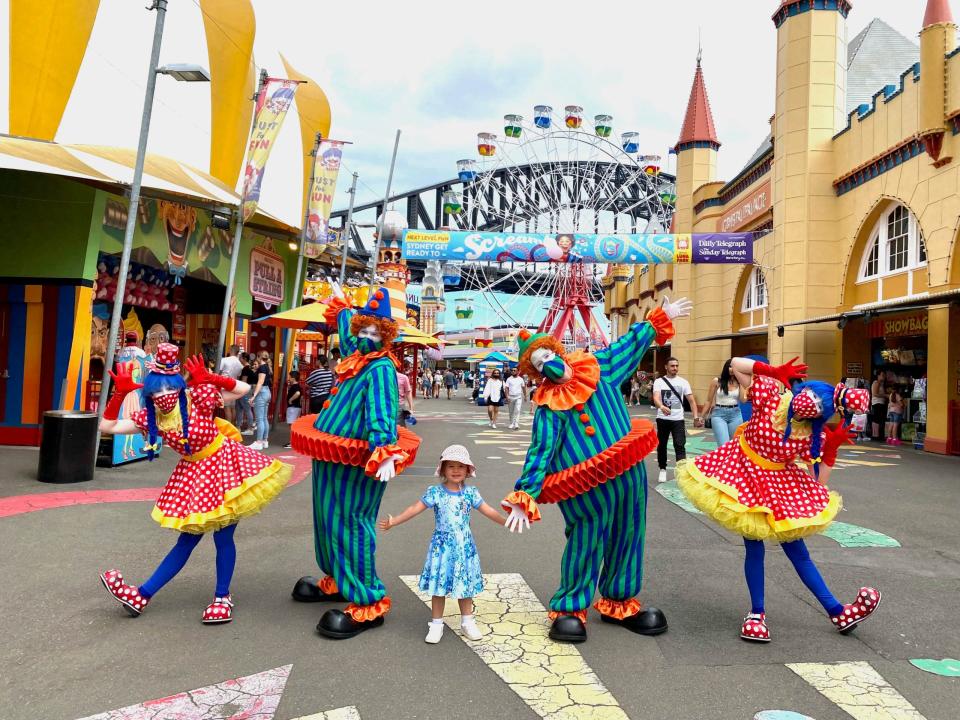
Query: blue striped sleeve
column 547, row 428
column 619, row 360
column 348, row 343
column 381, row 404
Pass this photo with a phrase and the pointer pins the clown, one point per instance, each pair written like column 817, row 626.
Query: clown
column 356, row 448
column 752, row 486
column 587, row 456
column 217, row 481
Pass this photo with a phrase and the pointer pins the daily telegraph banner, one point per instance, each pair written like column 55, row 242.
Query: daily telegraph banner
column 272, row 104
column 325, row 171
column 637, row 249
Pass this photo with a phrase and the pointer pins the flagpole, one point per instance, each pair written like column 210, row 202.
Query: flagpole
column 238, row 232
column 345, row 233
column 297, row 281
column 386, row 198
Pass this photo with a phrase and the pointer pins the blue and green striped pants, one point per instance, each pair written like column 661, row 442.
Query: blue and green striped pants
column 345, row 507
column 605, row 529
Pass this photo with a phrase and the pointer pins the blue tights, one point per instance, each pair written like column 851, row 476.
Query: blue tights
column 800, row 557
column 180, row 553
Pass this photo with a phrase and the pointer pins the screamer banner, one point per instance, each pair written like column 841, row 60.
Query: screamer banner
column 636, row 249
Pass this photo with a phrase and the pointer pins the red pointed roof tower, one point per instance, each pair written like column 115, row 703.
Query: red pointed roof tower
column 938, row 11
column 698, row 129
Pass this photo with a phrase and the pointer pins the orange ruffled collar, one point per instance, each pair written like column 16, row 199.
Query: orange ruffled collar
column 351, row 365
column 577, row 390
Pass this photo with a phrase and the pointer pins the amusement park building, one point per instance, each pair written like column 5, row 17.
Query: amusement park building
column 854, row 201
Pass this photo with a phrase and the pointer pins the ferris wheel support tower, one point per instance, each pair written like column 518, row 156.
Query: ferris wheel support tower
column 570, row 298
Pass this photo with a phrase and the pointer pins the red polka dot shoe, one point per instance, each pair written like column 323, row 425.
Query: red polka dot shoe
column 219, row 611
column 754, row 628
column 127, row 595
column 867, row 601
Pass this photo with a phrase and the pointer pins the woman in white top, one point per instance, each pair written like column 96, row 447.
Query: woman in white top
column 723, row 404
column 493, row 394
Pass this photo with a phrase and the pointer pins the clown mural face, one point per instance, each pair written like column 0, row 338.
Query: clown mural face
column 550, row 365
column 179, row 221
column 369, row 339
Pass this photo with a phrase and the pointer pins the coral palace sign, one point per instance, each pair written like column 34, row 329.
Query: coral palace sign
column 746, row 211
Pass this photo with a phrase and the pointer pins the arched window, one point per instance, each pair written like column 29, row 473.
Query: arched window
column 755, row 293
column 896, row 245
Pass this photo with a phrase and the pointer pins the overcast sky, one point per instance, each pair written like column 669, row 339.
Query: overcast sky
column 441, row 72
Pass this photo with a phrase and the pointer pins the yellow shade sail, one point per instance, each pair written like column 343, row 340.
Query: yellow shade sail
column 313, row 110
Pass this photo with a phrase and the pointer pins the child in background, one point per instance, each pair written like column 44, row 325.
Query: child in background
column 894, row 416
column 294, row 399
column 452, row 566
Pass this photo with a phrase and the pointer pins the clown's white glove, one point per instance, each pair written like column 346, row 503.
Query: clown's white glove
column 337, row 290
column 387, row 470
column 517, row 521
column 674, row 310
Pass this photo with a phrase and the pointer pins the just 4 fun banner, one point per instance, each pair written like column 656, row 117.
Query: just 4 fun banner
column 325, row 170
column 624, row 249
column 273, row 102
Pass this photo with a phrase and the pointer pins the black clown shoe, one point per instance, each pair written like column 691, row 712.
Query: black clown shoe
column 649, row 621
column 307, row 590
column 337, row 625
column 568, row 628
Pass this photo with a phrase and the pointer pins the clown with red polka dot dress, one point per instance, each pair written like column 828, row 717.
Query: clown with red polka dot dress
column 753, row 486
column 217, row 482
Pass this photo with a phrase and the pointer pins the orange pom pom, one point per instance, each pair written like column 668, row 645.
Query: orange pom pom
column 373, row 304
column 378, row 295
column 590, row 431
column 326, row 404
column 524, row 334
column 334, row 390
column 584, row 418
column 579, row 407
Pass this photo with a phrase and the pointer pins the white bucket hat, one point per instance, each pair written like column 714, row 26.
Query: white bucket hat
column 457, row 453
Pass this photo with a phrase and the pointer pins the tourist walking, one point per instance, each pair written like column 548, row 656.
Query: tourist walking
column 437, row 382
column 894, row 416
column 723, row 404
column 493, row 394
column 262, row 393
column 669, row 393
column 244, row 404
column 449, row 380
column 231, row 367
column 319, row 384
column 878, row 406
column 515, row 388
column 405, row 395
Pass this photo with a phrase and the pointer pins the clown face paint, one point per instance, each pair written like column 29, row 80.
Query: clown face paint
column 369, row 339
column 167, row 401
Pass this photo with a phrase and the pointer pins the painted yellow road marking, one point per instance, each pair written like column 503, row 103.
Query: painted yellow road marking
column 857, row 689
column 551, row 678
column 344, row 713
column 866, row 463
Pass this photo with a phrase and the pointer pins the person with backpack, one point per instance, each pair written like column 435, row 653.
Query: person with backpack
column 669, row 392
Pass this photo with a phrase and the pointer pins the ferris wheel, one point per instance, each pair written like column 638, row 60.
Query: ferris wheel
column 556, row 174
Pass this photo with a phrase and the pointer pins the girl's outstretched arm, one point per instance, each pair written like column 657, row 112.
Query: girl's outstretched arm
column 491, row 513
column 412, row 511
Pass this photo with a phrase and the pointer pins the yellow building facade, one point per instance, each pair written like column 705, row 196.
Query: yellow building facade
column 854, row 200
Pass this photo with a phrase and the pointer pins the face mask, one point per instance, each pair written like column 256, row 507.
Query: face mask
column 166, row 403
column 554, row 368
column 806, row 407
column 366, row 345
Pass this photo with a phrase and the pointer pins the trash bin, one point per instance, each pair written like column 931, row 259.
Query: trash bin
column 67, row 446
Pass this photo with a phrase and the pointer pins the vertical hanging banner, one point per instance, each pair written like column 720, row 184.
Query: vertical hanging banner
column 274, row 101
column 325, row 171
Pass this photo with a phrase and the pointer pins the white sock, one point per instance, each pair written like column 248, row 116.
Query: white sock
column 436, row 622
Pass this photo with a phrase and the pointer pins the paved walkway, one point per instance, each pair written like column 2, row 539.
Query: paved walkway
column 70, row 652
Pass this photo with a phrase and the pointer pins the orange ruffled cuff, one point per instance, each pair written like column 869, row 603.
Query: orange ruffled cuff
column 328, row 585
column 662, row 324
column 619, row 609
column 382, row 453
column 322, row 446
column 628, row 451
column 581, row 614
column 334, row 306
column 366, row 613
column 529, row 505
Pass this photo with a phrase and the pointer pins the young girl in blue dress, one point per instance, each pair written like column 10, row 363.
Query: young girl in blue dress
column 452, row 567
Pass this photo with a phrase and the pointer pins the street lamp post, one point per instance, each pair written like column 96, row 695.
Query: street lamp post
column 189, row 73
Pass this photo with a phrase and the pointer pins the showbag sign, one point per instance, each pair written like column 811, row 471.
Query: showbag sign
column 622, row 249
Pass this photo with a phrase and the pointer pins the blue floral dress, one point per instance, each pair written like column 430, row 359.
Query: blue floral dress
column 452, row 567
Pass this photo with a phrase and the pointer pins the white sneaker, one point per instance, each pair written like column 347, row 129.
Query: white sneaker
column 662, row 477
column 493, row 425
column 469, row 627
column 434, row 633
column 264, row 444
column 256, row 445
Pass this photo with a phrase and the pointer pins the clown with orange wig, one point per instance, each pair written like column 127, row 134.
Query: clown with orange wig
column 356, row 448
column 586, row 455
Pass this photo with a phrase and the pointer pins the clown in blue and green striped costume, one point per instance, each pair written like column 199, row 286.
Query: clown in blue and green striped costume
column 351, row 440
column 587, row 456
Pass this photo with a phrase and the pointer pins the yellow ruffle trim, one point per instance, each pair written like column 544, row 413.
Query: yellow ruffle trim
column 721, row 502
column 247, row 499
